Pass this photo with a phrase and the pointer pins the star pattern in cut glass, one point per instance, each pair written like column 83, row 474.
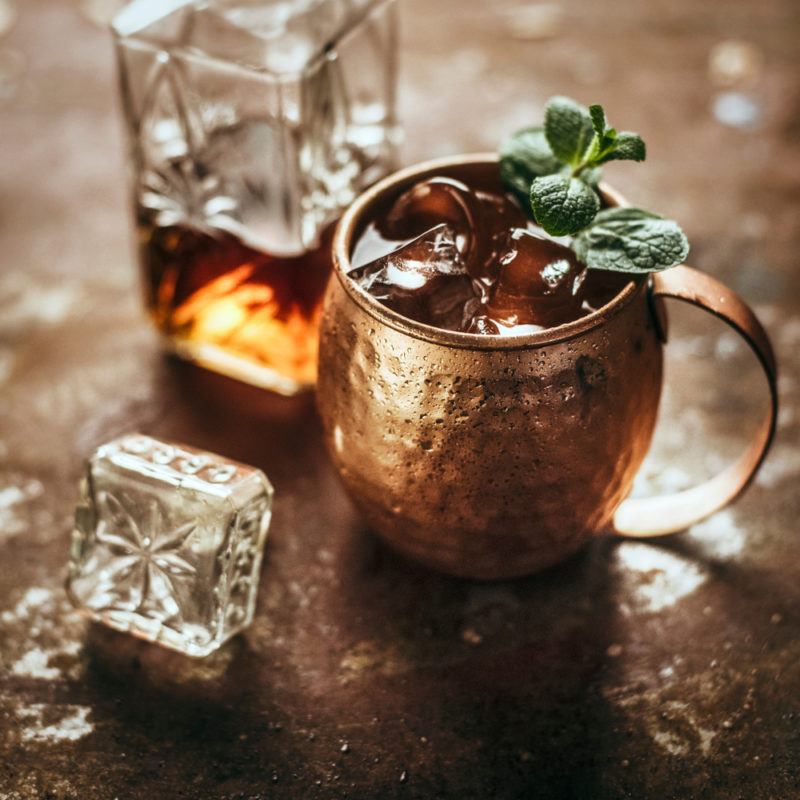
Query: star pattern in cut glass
column 148, row 563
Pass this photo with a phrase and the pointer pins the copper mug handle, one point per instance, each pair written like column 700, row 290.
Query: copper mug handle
column 658, row 516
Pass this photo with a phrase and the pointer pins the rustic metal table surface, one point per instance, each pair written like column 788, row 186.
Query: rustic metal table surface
column 647, row 670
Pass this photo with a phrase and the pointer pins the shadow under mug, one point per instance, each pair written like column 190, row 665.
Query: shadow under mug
column 494, row 457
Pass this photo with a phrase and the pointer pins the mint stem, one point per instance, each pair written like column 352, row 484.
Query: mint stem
column 596, row 159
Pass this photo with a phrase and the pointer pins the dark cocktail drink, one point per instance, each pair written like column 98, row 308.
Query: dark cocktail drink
column 468, row 259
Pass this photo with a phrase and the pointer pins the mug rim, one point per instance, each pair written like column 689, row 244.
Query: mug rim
column 343, row 240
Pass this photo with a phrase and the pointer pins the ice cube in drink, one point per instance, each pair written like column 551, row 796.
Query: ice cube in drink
column 424, row 279
column 500, row 274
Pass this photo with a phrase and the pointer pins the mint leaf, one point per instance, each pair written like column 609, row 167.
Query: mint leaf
column 524, row 156
column 568, row 128
column 598, row 119
column 628, row 146
column 563, row 205
column 631, row 240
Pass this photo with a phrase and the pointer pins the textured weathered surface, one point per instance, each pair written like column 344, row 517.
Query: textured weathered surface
column 667, row 670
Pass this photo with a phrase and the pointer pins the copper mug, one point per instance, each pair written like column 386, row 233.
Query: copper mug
column 494, row 457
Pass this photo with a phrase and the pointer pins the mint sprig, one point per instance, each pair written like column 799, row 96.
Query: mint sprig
column 554, row 170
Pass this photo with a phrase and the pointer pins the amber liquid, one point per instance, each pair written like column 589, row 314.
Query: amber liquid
column 240, row 311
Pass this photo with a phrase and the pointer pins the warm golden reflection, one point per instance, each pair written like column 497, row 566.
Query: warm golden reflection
column 243, row 312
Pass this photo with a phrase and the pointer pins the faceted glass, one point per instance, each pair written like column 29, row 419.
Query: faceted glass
column 252, row 125
column 168, row 542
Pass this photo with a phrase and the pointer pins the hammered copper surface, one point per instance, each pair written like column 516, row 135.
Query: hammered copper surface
column 477, row 455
